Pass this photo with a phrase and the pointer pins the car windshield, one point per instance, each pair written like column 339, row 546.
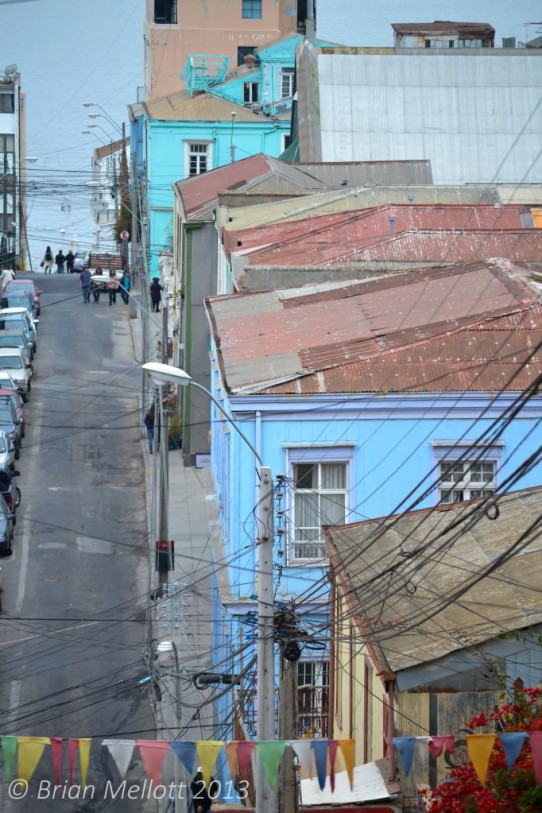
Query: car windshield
column 14, row 340
column 11, row 363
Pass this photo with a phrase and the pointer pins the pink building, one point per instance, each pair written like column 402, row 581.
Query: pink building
column 232, row 28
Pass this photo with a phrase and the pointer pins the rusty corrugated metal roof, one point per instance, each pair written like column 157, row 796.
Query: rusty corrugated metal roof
column 452, row 246
column 201, row 191
column 445, row 598
column 445, row 329
column 328, row 202
column 338, row 237
column 444, row 27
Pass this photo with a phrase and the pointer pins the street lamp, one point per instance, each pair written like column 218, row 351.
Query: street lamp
column 104, row 113
column 89, row 132
column 265, row 800
column 99, row 127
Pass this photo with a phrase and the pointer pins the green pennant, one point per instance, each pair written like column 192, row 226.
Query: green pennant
column 270, row 753
column 9, row 749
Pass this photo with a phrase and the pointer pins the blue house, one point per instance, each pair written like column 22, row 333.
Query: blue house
column 184, row 136
column 366, row 399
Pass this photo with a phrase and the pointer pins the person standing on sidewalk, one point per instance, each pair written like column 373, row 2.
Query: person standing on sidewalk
column 124, row 286
column 85, row 276
column 156, row 294
column 203, row 796
column 112, row 287
column 149, row 425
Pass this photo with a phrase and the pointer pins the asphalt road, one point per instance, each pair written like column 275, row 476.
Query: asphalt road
column 72, row 629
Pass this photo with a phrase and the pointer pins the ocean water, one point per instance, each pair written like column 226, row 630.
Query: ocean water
column 72, row 51
column 69, row 52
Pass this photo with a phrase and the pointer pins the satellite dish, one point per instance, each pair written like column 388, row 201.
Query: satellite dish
column 10, row 70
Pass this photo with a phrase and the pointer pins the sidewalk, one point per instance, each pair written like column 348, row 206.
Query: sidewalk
column 181, row 621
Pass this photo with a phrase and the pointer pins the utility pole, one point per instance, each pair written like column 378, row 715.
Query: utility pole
column 265, row 798
column 288, row 708
column 165, row 563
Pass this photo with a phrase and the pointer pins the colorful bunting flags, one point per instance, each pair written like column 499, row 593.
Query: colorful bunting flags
column 239, row 754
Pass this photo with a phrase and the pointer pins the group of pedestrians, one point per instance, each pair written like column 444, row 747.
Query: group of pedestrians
column 94, row 284
column 60, row 260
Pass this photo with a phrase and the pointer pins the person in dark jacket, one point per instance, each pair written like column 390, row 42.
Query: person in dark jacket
column 156, row 294
column 47, row 262
column 70, row 259
column 203, row 796
column 60, row 259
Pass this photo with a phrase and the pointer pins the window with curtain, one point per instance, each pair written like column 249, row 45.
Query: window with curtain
column 319, row 498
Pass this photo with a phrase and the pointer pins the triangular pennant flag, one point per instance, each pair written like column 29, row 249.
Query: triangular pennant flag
column 270, row 752
column 208, row 751
column 479, row 747
column 348, row 751
column 405, row 747
column 73, row 746
column 30, row 750
column 121, row 751
column 84, row 756
column 231, row 756
column 56, row 753
column 186, row 752
column 320, row 758
column 153, row 753
column 438, row 744
column 9, row 749
column 332, row 754
column 535, row 739
column 512, row 743
column 303, row 751
column 244, row 756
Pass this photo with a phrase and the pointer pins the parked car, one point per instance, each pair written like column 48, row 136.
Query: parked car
column 12, row 360
column 11, row 425
column 27, row 285
column 10, row 491
column 17, row 339
column 6, row 529
column 19, row 316
column 16, row 401
column 7, row 452
column 80, row 262
column 22, row 300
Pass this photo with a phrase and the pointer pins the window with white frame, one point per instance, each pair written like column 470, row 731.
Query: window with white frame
column 313, row 698
column 250, row 92
column 287, row 83
column 460, row 481
column 252, row 9
column 197, row 157
column 319, row 497
column 466, row 470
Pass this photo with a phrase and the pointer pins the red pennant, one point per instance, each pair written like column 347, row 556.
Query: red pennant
column 153, row 753
column 73, row 747
column 535, row 739
column 56, row 753
column 244, row 753
column 438, row 744
column 332, row 753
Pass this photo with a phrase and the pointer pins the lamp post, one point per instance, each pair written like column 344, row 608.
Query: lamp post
column 104, row 113
column 265, row 799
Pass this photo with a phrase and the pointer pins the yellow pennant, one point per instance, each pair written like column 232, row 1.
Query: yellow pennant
column 479, row 747
column 29, row 752
column 84, row 752
column 348, row 751
column 208, row 751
